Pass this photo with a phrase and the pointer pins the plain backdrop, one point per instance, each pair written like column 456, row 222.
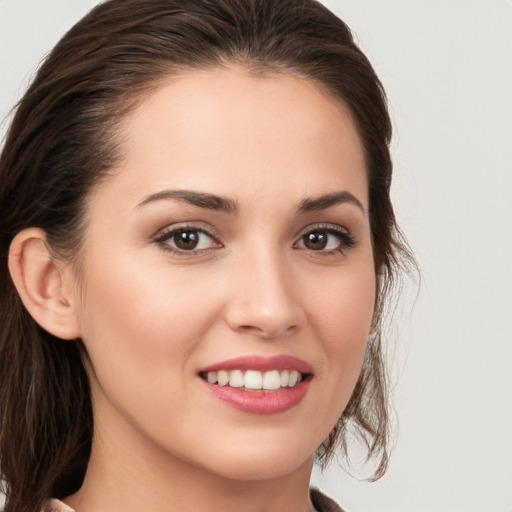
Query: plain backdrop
column 447, row 68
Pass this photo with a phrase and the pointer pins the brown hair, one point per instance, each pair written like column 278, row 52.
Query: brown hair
column 62, row 141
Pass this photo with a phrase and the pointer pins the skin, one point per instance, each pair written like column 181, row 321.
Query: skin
column 151, row 318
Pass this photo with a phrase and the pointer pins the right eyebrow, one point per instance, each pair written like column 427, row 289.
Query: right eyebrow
column 200, row 199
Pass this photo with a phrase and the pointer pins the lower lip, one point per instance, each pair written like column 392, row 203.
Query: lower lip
column 260, row 402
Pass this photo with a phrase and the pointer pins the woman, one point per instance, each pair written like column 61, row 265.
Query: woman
column 197, row 240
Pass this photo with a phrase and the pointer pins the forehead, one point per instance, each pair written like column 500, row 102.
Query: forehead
column 226, row 132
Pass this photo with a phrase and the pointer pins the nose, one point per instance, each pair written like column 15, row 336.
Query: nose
column 264, row 299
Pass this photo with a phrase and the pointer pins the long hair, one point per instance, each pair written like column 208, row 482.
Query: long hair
column 63, row 141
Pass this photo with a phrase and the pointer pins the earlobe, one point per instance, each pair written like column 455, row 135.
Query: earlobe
column 38, row 277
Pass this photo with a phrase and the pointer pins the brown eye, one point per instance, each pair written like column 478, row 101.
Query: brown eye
column 186, row 240
column 326, row 240
column 316, row 240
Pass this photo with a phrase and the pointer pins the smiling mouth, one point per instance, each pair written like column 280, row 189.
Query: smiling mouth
column 254, row 380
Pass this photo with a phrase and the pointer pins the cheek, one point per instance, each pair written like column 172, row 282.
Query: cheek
column 344, row 307
column 344, row 321
column 143, row 326
column 140, row 324
column 130, row 296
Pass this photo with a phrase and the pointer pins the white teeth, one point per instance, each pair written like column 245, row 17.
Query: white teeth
column 294, row 377
column 236, row 378
column 253, row 379
column 222, row 378
column 271, row 380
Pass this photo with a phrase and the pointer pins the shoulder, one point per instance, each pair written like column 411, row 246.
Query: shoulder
column 322, row 503
column 56, row 506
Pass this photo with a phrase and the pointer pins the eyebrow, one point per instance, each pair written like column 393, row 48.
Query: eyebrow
column 329, row 200
column 200, row 199
column 214, row 202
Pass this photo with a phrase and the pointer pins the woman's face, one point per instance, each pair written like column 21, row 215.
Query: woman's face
column 232, row 242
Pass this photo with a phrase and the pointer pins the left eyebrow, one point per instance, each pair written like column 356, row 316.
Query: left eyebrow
column 329, row 200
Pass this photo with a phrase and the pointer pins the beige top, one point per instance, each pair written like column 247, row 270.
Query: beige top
column 318, row 502
column 57, row 506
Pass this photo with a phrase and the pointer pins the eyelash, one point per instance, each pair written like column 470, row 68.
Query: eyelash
column 345, row 240
column 163, row 240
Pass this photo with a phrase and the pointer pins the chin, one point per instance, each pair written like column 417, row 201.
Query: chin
column 261, row 464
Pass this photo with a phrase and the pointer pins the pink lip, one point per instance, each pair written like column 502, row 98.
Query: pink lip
column 261, row 402
column 262, row 364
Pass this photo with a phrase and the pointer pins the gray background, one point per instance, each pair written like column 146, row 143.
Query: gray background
column 447, row 68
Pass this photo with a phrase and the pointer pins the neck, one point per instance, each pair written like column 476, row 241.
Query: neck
column 142, row 478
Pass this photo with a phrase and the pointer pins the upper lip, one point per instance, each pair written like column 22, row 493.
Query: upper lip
column 261, row 363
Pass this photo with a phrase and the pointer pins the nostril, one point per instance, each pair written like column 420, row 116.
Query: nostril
column 268, row 332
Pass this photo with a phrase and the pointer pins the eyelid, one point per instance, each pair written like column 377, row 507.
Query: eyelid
column 323, row 226
column 165, row 233
column 198, row 225
column 347, row 240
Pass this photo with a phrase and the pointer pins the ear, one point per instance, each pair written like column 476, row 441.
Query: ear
column 40, row 281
